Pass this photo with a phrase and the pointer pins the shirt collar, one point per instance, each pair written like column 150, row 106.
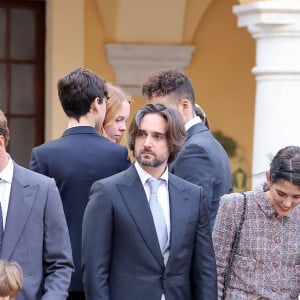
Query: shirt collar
column 263, row 203
column 191, row 123
column 144, row 176
column 7, row 173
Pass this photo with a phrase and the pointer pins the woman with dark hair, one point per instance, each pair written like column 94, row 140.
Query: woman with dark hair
column 265, row 260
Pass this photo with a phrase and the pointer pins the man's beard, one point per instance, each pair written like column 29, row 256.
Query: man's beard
column 153, row 163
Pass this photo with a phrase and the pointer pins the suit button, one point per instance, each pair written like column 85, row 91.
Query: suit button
column 277, row 239
column 276, row 262
column 275, row 288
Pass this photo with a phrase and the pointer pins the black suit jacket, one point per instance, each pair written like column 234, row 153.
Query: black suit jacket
column 204, row 162
column 121, row 258
column 80, row 157
column 36, row 236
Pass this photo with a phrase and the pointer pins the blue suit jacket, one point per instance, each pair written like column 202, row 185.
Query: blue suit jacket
column 36, row 236
column 204, row 162
column 121, row 258
column 80, row 157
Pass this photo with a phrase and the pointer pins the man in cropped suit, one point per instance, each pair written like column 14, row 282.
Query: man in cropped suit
column 142, row 242
column 33, row 229
column 81, row 156
column 203, row 160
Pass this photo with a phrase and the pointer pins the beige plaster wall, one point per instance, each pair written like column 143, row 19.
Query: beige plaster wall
column 220, row 68
column 221, row 73
column 95, row 39
column 64, row 52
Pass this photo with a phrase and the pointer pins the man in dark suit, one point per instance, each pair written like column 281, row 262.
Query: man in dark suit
column 203, row 161
column 33, row 229
column 141, row 243
column 81, row 156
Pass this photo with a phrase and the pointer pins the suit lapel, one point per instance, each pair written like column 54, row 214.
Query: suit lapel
column 20, row 204
column 179, row 214
column 137, row 204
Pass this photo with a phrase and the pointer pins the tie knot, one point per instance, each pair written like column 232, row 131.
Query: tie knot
column 154, row 184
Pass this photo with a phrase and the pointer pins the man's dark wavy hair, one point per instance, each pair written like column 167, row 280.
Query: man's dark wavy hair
column 169, row 82
column 175, row 133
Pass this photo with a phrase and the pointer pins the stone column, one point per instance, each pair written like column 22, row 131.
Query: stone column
column 134, row 63
column 275, row 25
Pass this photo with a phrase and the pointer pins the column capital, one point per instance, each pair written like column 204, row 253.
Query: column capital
column 275, row 25
column 268, row 12
column 134, row 63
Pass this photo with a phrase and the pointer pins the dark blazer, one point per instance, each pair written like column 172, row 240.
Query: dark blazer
column 204, row 162
column 36, row 236
column 121, row 258
column 80, row 157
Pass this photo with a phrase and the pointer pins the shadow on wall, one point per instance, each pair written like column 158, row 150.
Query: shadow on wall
column 240, row 169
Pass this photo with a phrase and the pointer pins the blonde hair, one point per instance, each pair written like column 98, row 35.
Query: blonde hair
column 116, row 96
column 11, row 279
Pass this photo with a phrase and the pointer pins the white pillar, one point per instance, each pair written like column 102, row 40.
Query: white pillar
column 134, row 63
column 276, row 29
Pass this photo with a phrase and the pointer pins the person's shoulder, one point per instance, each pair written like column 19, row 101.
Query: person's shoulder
column 77, row 134
column 207, row 139
column 207, row 144
column 27, row 176
column 182, row 183
column 121, row 177
column 47, row 146
column 234, row 200
column 117, row 147
column 199, row 137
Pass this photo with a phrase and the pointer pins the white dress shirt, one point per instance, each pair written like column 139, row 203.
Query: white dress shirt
column 192, row 122
column 6, row 176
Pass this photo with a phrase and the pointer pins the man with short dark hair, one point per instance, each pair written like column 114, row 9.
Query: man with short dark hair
column 203, row 160
column 146, row 233
column 81, row 156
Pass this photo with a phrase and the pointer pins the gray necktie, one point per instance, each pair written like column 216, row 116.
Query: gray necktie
column 157, row 214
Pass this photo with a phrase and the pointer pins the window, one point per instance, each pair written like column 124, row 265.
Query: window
column 22, row 57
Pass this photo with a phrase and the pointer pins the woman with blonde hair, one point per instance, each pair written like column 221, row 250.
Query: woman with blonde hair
column 117, row 113
column 11, row 280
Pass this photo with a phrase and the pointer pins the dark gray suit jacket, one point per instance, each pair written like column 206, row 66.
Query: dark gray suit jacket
column 121, row 258
column 36, row 236
column 204, row 162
